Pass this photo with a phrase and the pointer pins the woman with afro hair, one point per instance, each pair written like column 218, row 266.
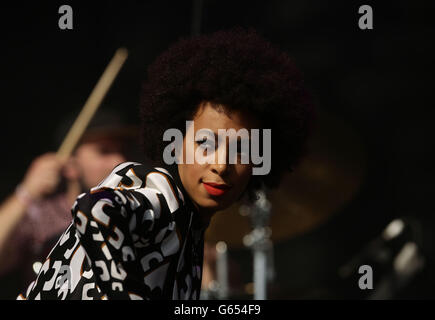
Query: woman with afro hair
column 139, row 234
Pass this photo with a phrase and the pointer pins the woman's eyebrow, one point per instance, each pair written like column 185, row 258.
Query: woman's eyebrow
column 207, row 132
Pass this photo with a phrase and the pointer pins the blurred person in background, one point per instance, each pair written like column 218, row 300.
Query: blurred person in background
column 33, row 216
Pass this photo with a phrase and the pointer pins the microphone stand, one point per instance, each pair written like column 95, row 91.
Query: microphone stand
column 258, row 240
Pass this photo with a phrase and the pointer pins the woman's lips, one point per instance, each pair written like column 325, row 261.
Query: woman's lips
column 215, row 189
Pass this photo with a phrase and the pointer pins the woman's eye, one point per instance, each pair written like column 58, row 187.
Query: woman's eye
column 204, row 143
column 199, row 142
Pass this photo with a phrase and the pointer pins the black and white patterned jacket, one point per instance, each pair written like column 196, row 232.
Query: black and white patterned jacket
column 136, row 235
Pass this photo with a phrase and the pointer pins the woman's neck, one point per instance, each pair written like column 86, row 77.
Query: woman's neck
column 205, row 214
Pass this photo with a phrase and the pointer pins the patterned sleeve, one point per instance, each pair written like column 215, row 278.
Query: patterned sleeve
column 111, row 225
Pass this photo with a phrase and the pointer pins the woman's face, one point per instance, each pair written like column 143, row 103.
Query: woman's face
column 215, row 186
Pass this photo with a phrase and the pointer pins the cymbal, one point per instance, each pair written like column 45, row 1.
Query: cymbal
column 327, row 178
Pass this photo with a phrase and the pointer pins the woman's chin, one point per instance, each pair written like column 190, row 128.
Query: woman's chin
column 212, row 205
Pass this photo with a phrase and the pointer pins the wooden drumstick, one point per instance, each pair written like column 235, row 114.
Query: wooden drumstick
column 92, row 104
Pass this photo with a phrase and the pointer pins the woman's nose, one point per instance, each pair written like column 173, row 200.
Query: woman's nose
column 220, row 168
column 221, row 160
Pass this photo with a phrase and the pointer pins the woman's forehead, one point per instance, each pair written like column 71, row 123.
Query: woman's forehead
column 215, row 118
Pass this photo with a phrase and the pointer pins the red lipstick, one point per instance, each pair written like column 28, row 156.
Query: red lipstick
column 215, row 189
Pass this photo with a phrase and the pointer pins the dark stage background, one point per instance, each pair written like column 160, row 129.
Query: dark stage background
column 378, row 82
